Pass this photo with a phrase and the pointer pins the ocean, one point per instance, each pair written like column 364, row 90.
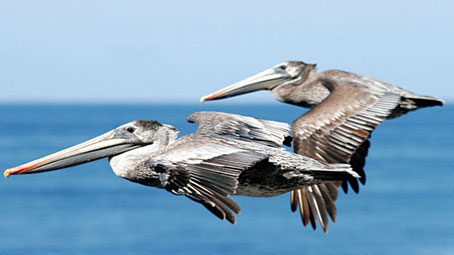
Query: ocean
column 406, row 206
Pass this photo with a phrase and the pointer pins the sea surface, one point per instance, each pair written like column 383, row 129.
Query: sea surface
column 406, row 207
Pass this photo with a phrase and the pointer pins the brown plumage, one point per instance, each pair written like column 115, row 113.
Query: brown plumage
column 345, row 109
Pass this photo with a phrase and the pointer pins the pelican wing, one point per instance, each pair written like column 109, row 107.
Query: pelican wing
column 336, row 131
column 206, row 170
column 409, row 101
column 268, row 132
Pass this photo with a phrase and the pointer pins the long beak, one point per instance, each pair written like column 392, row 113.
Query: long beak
column 265, row 80
column 108, row 144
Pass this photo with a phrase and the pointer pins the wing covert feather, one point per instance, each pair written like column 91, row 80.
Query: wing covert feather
column 205, row 170
column 268, row 132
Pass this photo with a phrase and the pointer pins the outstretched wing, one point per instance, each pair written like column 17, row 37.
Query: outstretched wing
column 336, row 131
column 409, row 100
column 268, row 132
column 205, row 170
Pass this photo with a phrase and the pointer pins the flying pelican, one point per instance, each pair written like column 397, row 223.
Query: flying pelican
column 228, row 155
column 345, row 109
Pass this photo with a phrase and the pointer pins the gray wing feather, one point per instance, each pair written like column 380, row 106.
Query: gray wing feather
column 333, row 130
column 368, row 82
column 268, row 132
column 206, row 170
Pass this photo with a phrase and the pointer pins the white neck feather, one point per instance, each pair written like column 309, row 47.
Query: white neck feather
column 126, row 162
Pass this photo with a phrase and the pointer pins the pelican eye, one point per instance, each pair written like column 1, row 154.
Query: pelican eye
column 130, row 129
column 283, row 67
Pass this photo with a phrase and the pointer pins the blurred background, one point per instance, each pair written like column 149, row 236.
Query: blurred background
column 176, row 51
column 72, row 70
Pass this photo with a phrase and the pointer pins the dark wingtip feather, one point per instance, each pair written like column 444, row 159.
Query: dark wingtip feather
column 354, row 184
column 316, row 202
column 213, row 209
column 345, row 187
column 288, row 141
column 363, row 179
column 330, row 200
column 231, row 218
column 313, row 222
column 304, row 206
column 293, row 201
column 358, row 161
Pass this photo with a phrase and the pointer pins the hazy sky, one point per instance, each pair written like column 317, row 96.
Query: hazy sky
column 162, row 51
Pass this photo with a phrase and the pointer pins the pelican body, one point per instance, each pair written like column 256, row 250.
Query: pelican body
column 344, row 110
column 228, row 155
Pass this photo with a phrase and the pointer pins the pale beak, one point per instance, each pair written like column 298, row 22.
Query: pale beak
column 106, row 145
column 265, row 80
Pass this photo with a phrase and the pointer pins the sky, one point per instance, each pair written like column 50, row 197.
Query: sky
column 177, row 51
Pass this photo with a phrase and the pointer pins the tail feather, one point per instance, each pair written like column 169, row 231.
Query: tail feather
column 408, row 104
column 338, row 172
column 427, row 101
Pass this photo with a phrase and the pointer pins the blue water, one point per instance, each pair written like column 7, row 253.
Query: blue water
column 407, row 205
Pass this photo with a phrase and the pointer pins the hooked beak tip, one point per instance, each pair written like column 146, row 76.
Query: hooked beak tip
column 7, row 173
column 207, row 98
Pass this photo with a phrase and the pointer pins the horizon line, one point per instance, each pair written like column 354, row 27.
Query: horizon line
column 144, row 102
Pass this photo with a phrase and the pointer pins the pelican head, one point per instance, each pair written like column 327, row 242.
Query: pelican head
column 286, row 73
column 130, row 136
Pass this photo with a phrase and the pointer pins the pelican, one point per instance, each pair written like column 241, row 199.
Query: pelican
column 228, row 155
column 345, row 109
